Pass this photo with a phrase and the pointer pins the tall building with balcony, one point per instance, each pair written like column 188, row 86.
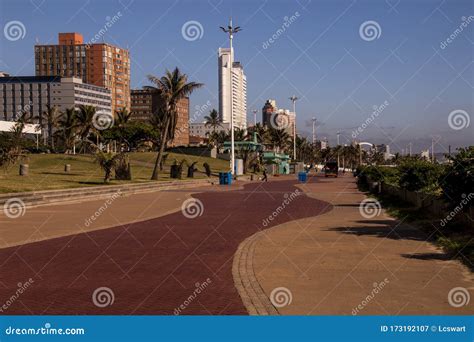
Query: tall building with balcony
column 145, row 102
column 238, row 83
column 100, row 64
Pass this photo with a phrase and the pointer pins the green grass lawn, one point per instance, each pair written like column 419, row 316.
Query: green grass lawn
column 46, row 171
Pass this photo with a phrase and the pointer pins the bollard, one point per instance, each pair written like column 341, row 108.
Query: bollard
column 67, row 168
column 24, row 169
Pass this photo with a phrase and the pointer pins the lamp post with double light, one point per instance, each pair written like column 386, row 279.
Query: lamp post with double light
column 231, row 30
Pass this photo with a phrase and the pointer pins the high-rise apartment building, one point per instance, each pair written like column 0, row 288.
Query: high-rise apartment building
column 145, row 102
column 100, row 64
column 238, row 82
column 277, row 118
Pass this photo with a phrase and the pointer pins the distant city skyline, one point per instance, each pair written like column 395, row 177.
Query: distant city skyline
column 340, row 58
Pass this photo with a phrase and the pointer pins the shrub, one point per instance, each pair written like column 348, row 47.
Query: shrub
column 377, row 173
column 457, row 180
column 107, row 162
column 419, row 175
column 122, row 169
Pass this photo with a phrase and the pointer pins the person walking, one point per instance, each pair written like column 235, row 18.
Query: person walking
column 265, row 176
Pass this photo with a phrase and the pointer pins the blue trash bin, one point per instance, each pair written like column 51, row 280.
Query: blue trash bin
column 225, row 178
column 222, row 178
column 302, row 177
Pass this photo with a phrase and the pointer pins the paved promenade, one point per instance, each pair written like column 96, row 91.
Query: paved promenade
column 252, row 248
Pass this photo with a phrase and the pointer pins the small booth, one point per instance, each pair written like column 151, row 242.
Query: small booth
column 278, row 162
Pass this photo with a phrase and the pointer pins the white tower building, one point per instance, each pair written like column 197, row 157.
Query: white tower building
column 239, row 90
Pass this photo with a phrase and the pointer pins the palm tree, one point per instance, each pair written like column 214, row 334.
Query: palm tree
column 49, row 121
column 67, row 123
column 218, row 139
column 212, row 120
column 122, row 117
column 85, row 120
column 353, row 155
column 107, row 162
column 279, row 138
column 239, row 134
column 304, row 150
column 260, row 130
column 173, row 86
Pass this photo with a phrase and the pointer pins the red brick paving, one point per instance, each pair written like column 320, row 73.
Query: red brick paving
column 151, row 266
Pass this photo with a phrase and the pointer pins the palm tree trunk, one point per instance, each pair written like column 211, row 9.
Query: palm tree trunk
column 154, row 175
column 50, row 136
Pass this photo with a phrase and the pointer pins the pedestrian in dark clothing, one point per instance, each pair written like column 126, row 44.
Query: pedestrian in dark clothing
column 265, row 176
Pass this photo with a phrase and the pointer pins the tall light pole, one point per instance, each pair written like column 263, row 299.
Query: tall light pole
column 314, row 130
column 231, row 30
column 338, row 134
column 432, row 149
column 293, row 99
column 254, row 117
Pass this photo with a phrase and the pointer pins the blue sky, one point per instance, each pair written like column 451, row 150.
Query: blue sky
column 321, row 57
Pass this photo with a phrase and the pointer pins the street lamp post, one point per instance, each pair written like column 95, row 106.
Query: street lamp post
column 293, row 99
column 231, row 30
column 314, row 130
column 432, row 149
column 338, row 133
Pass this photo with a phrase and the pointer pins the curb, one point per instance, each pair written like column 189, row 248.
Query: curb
column 46, row 197
column 253, row 297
